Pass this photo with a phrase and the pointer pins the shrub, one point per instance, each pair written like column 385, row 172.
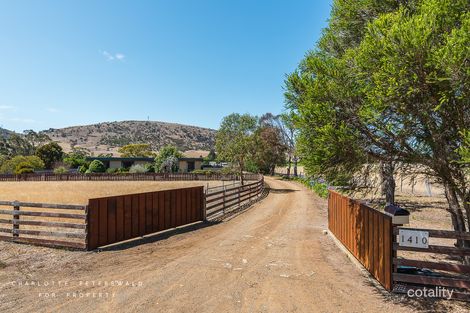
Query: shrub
column 24, row 168
column 150, row 167
column 96, row 166
column 169, row 165
column 9, row 166
column 111, row 170
column 138, row 168
column 82, row 169
column 123, row 170
column 61, row 170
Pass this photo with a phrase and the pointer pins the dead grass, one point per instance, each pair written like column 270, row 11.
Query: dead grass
column 79, row 192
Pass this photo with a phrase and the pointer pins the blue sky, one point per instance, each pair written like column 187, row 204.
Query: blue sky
column 65, row 63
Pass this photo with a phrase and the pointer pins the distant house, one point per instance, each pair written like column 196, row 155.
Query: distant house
column 185, row 165
column 117, row 162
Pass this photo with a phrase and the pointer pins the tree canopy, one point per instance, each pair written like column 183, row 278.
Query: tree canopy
column 388, row 82
column 136, row 150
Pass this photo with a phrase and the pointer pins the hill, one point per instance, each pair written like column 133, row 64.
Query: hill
column 4, row 132
column 108, row 137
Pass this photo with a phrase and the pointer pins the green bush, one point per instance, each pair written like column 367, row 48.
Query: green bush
column 24, row 168
column 111, row 170
column 9, row 166
column 96, row 166
column 320, row 189
column 82, row 169
column 138, row 168
column 61, row 170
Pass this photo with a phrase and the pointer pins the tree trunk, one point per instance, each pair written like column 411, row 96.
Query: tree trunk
column 290, row 163
column 295, row 166
column 242, row 166
column 458, row 219
column 387, row 170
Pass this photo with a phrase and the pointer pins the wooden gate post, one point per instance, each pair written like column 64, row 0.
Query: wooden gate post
column 16, row 218
column 224, row 201
column 239, row 191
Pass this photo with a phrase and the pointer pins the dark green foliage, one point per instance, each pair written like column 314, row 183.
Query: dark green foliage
column 96, row 166
column 24, row 168
column 9, row 166
column 77, row 157
column 50, row 153
column 389, row 83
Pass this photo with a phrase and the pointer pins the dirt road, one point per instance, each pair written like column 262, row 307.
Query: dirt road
column 272, row 258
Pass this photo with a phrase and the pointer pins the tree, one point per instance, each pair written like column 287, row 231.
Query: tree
column 270, row 150
column 235, row 140
column 285, row 126
column 96, row 166
column 169, row 165
column 24, row 168
column 22, row 144
column 50, row 153
column 164, row 154
column 9, row 166
column 395, row 93
column 136, row 150
column 77, row 157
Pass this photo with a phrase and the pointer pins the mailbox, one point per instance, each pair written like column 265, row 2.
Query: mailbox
column 399, row 216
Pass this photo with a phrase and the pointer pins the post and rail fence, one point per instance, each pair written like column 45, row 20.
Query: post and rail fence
column 124, row 177
column 109, row 220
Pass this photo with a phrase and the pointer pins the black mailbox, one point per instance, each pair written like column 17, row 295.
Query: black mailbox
column 399, row 215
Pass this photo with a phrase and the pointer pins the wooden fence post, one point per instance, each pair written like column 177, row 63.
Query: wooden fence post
column 224, row 201
column 239, row 191
column 16, row 217
column 204, row 212
column 87, row 228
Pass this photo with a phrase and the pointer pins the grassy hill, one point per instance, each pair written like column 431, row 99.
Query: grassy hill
column 108, row 137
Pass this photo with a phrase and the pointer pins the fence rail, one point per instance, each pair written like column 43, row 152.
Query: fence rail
column 124, row 177
column 42, row 222
column 219, row 202
column 113, row 219
column 365, row 232
column 445, row 273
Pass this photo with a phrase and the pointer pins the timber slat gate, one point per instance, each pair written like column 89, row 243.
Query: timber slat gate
column 446, row 273
column 365, row 232
column 113, row 219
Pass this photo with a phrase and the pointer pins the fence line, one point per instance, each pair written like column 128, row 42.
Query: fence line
column 109, row 220
column 69, row 228
column 124, row 177
column 446, row 273
column 365, row 232
column 118, row 218
column 229, row 199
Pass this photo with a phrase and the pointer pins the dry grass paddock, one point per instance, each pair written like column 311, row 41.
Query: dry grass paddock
column 78, row 192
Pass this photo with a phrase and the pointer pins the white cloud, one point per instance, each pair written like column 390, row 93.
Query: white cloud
column 6, row 107
column 113, row 56
column 52, row 110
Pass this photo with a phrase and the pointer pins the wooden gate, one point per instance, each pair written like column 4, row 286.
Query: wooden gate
column 414, row 269
column 365, row 232
column 118, row 218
